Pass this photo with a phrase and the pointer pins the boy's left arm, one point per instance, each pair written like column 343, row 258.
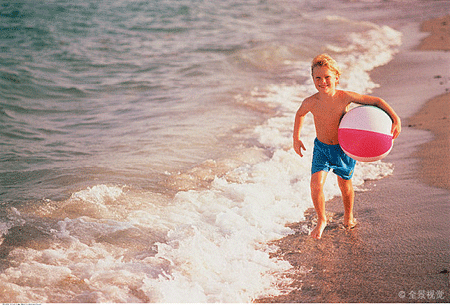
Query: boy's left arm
column 376, row 101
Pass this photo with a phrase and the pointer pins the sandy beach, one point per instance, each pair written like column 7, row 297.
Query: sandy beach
column 435, row 115
column 400, row 251
column 440, row 34
column 433, row 155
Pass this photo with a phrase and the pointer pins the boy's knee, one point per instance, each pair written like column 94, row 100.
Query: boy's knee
column 346, row 186
column 347, row 192
column 318, row 181
column 316, row 187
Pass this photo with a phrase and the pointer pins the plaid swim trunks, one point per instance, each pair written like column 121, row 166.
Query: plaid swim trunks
column 326, row 157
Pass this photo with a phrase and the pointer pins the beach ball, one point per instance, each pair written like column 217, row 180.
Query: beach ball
column 365, row 133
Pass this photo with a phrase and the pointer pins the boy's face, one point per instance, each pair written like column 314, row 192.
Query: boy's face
column 325, row 79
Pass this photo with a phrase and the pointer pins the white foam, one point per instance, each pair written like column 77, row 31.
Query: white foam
column 213, row 250
column 363, row 51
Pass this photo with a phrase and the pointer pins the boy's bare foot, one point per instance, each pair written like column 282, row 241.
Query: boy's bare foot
column 351, row 224
column 318, row 230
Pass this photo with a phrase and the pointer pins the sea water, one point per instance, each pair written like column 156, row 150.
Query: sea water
column 146, row 146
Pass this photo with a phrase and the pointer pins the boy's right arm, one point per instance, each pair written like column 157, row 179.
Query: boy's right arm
column 299, row 118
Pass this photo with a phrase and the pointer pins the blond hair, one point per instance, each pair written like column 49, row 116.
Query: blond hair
column 325, row 60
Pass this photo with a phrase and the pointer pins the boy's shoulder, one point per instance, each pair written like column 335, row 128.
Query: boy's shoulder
column 311, row 99
column 309, row 102
column 350, row 95
column 346, row 97
column 340, row 94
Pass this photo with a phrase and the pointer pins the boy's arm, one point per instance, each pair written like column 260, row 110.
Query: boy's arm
column 299, row 119
column 376, row 101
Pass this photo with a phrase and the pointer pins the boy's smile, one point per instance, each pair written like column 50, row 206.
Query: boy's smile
column 325, row 80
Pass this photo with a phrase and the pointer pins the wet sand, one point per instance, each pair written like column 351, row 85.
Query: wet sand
column 435, row 114
column 434, row 155
column 400, row 252
column 440, row 34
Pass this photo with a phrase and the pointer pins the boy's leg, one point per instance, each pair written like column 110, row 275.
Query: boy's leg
column 318, row 198
column 348, row 197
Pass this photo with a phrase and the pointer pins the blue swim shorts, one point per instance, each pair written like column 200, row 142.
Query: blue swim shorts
column 326, row 157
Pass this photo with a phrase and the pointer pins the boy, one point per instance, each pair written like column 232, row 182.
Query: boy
column 328, row 106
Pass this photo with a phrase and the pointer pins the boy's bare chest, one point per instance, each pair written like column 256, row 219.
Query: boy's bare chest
column 329, row 112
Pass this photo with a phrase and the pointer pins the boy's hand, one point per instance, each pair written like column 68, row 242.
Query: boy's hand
column 298, row 146
column 396, row 129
